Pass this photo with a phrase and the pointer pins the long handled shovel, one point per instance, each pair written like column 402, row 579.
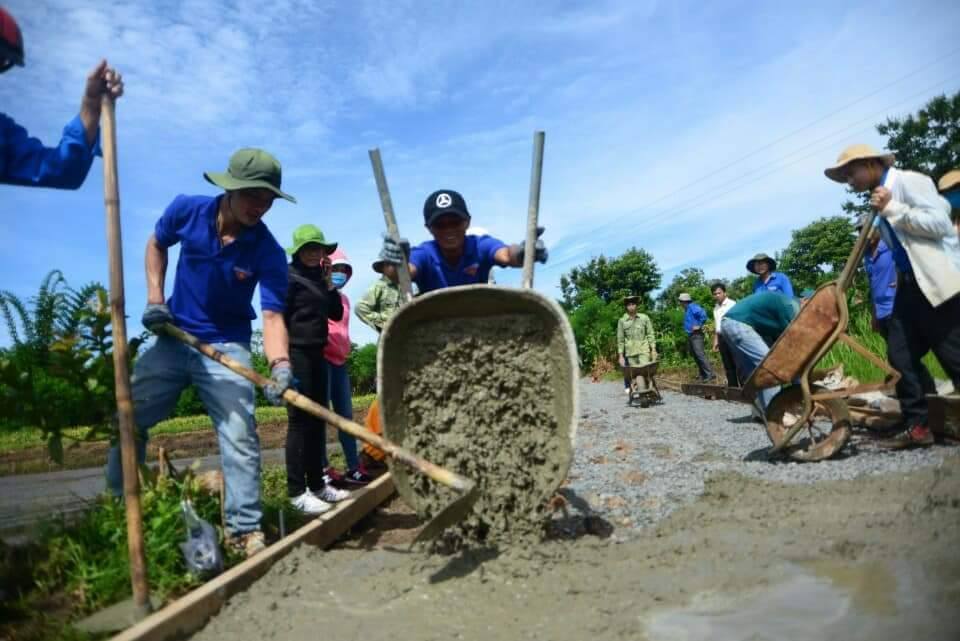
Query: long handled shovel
column 458, row 508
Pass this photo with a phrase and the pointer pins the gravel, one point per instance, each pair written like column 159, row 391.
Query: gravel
column 634, row 466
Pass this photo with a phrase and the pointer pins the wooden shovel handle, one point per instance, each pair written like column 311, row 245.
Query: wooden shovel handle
column 295, row 398
column 533, row 210
column 386, row 203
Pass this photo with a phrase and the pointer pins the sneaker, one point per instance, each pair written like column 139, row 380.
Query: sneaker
column 332, row 477
column 332, row 494
column 309, row 503
column 248, row 543
column 626, row 390
column 916, row 436
column 357, row 476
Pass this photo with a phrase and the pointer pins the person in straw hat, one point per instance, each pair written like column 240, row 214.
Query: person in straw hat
column 225, row 253
column 636, row 344
column 694, row 318
column 768, row 278
column 949, row 186
column 914, row 221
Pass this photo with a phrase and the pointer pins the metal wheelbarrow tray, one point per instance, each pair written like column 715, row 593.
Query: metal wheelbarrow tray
column 821, row 323
column 478, row 367
column 643, row 397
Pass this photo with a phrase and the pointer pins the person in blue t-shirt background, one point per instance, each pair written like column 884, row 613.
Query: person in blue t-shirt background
column 694, row 318
column 225, row 252
column 24, row 160
column 453, row 257
column 768, row 278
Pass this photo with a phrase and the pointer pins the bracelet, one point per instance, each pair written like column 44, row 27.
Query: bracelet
column 275, row 361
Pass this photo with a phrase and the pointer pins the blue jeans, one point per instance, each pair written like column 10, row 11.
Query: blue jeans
column 341, row 396
column 159, row 375
column 748, row 351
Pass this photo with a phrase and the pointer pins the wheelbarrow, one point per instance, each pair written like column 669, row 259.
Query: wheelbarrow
column 642, row 395
column 428, row 329
column 803, row 421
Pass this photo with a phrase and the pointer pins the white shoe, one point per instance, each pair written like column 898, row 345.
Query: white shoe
column 308, row 503
column 332, row 494
column 626, row 390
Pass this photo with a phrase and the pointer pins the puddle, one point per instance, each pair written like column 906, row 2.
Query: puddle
column 818, row 601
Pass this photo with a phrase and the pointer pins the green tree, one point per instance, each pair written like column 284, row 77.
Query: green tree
column 634, row 272
column 690, row 280
column 741, row 287
column 817, row 252
column 362, row 365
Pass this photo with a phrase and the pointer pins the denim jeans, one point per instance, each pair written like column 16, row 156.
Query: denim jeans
column 338, row 377
column 748, row 351
column 164, row 369
column 699, row 353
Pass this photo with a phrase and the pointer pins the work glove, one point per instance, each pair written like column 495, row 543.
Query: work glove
column 281, row 379
column 393, row 251
column 540, row 252
column 155, row 315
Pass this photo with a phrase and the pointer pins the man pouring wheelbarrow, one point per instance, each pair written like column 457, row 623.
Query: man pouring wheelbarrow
column 914, row 221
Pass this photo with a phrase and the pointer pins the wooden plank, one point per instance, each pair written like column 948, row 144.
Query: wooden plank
column 714, row 392
column 191, row 612
column 944, row 416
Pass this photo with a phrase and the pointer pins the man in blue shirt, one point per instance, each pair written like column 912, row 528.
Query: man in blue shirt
column 694, row 318
column 768, row 278
column 453, row 257
column 24, row 160
column 225, row 252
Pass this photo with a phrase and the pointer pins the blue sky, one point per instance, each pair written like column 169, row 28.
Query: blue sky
column 697, row 131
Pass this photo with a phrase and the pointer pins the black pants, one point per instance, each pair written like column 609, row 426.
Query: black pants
column 695, row 343
column 305, row 432
column 914, row 328
column 729, row 365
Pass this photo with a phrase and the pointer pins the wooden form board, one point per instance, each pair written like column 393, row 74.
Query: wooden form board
column 191, row 612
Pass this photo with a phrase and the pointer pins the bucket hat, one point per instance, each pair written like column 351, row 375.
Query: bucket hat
column 761, row 256
column 854, row 152
column 306, row 234
column 684, row 297
column 631, row 299
column 250, row 168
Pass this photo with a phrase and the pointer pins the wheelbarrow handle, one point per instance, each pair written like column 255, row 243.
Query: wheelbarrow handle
column 533, row 210
column 295, row 398
column 386, row 203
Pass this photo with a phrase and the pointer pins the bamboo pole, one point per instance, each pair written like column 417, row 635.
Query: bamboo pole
column 128, row 450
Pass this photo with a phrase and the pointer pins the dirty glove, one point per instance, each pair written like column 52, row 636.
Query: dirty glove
column 281, row 379
column 155, row 315
column 394, row 252
column 540, row 250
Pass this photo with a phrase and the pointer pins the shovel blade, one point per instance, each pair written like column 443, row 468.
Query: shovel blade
column 455, row 512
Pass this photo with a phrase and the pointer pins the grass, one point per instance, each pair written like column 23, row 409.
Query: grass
column 28, row 437
column 83, row 564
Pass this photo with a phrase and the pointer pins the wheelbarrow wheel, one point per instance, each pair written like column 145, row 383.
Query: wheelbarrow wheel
column 825, row 434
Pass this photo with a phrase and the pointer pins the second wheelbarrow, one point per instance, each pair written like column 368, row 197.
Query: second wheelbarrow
column 794, row 416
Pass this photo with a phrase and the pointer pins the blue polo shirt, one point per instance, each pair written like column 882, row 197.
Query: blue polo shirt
column 693, row 316
column 882, row 273
column 777, row 283
column 213, row 287
column 433, row 272
column 25, row 161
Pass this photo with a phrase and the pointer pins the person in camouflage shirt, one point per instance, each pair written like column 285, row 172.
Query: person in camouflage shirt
column 382, row 300
column 635, row 340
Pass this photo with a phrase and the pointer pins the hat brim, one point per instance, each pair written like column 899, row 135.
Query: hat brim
column 753, row 262
column 838, row 173
column 229, row 183
column 445, row 212
column 329, row 247
column 950, row 180
column 378, row 266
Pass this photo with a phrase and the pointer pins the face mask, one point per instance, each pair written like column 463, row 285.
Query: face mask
column 339, row 279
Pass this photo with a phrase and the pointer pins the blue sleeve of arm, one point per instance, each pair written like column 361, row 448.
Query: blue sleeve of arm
column 273, row 280
column 27, row 162
column 488, row 246
column 167, row 230
column 420, row 260
column 787, row 285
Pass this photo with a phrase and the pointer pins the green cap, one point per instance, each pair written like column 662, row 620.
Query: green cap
column 250, row 169
column 306, row 234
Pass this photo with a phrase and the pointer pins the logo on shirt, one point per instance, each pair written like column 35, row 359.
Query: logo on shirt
column 472, row 269
column 444, row 200
column 241, row 274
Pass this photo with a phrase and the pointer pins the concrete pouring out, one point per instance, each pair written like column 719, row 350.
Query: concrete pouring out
column 478, row 399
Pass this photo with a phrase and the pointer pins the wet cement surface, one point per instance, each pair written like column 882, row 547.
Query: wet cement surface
column 870, row 558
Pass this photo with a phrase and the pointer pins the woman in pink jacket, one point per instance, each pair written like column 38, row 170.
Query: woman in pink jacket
column 336, row 352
